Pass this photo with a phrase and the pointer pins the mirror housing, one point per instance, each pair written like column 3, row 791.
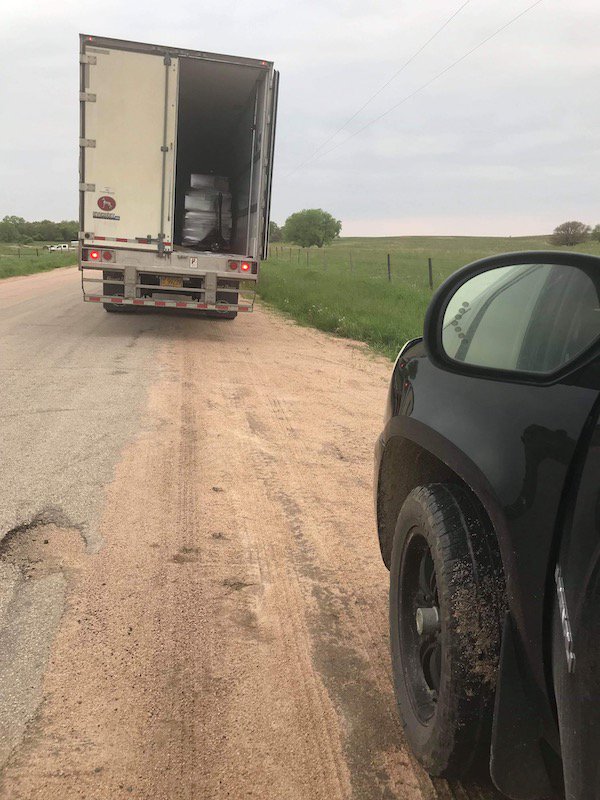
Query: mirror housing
column 437, row 321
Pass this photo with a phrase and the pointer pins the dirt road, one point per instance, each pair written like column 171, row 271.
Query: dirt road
column 191, row 595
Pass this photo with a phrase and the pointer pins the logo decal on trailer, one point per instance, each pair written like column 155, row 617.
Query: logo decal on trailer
column 106, row 203
column 105, row 215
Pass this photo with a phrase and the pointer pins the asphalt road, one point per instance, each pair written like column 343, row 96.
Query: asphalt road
column 192, row 602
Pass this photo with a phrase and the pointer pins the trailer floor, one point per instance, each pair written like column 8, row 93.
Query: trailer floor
column 192, row 600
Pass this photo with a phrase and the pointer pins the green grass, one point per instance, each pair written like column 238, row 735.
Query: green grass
column 344, row 288
column 27, row 259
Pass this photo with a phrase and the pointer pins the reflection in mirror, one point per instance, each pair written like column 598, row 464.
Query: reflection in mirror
column 524, row 318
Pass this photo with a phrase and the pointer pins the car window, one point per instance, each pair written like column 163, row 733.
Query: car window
column 531, row 318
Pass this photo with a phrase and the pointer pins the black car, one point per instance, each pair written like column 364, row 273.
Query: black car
column 487, row 490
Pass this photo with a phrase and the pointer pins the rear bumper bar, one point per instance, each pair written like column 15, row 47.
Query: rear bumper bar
column 144, row 301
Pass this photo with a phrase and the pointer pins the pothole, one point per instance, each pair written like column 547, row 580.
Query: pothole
column 38, row 560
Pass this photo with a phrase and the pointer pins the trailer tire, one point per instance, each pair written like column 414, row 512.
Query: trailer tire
column 446, row 610
column 219, row 314
column 114, row 308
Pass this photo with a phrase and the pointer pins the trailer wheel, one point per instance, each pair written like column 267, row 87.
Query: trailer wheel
column 446, row 609
column 219, row 314
column 114, row 307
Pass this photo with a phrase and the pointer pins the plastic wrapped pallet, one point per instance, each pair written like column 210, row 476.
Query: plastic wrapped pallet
column 199, row 225
column 217, row 182
column 207, row 200
column 207, row 219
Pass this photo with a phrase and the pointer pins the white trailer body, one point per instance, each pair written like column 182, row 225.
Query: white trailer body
column 151, row 117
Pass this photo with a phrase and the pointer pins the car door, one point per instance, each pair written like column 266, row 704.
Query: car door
column 527, row 363
column 576, row 623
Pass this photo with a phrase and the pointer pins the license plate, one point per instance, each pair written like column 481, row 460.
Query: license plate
column 173, row 283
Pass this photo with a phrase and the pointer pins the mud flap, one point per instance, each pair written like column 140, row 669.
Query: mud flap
column 516, row 765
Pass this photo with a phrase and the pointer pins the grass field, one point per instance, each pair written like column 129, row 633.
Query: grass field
column 32, row 258
column 344, row 288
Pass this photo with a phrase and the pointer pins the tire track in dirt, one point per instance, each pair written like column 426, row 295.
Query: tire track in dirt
column 380, row 768
column 370, row 779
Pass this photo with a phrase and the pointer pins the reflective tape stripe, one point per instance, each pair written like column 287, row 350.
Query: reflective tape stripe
column 137, row 240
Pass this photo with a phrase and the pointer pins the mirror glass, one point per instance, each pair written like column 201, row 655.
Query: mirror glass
column 523, row 318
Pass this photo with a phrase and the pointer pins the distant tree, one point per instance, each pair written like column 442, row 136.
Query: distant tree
column 595, row 234
column 8, row 231
column 69, row 230
column 570, row 233
column 275, row 232
column 312, row 226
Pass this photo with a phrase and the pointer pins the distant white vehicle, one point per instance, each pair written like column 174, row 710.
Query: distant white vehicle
column 58, row 247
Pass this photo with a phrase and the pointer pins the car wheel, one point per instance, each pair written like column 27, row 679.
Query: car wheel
column 446, row 610
column 114, row 307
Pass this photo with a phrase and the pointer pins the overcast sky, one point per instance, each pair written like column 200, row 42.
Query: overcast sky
column 507, row 142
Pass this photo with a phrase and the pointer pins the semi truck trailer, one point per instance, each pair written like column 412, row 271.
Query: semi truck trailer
column 175, row 169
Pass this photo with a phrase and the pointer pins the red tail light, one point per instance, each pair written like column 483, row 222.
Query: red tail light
column 107, row 255
column 245, row 266
column 94, row 255
column 233, row 265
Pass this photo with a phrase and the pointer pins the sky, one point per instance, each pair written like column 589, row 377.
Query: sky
column 507, row 142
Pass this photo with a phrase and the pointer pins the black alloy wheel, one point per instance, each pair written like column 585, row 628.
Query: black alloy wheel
column 446, row 613
column 420, row 625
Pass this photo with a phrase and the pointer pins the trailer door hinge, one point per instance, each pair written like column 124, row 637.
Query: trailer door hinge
column 167, row 61
column 87, row 187
column 87, row 143
column 84, row 58
column 87, row 97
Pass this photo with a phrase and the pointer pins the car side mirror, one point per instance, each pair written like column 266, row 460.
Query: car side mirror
column 530, row 317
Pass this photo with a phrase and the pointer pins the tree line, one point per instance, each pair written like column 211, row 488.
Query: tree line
column 19, row 231
column 307, row 228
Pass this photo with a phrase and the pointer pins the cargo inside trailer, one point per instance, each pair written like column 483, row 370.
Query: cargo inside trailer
column 216, row 109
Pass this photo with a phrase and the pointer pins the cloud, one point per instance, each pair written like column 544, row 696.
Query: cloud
column 507, row 138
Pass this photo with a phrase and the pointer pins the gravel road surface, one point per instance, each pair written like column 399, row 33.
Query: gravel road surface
column 192, row 601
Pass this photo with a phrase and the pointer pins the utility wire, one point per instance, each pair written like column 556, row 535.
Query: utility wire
column 424, row 85
column 382, row 87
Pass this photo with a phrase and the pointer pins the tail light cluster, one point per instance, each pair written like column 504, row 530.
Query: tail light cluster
column 100, row 256
column 243, row 266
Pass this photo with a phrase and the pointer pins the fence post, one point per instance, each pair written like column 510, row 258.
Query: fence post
column 298, row 255
column 351, row 262
column 37, row 252
column 307, row 258
column 430, row 274
column 389, row 268
column 19, row 252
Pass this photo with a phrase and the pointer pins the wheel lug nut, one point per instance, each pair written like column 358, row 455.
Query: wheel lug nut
column 427, row 621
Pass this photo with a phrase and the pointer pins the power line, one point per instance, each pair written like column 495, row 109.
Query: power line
column 381, row 89
column 429, row 82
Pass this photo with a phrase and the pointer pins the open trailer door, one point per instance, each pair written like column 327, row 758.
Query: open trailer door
column 128, row 101
column 271, row 124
